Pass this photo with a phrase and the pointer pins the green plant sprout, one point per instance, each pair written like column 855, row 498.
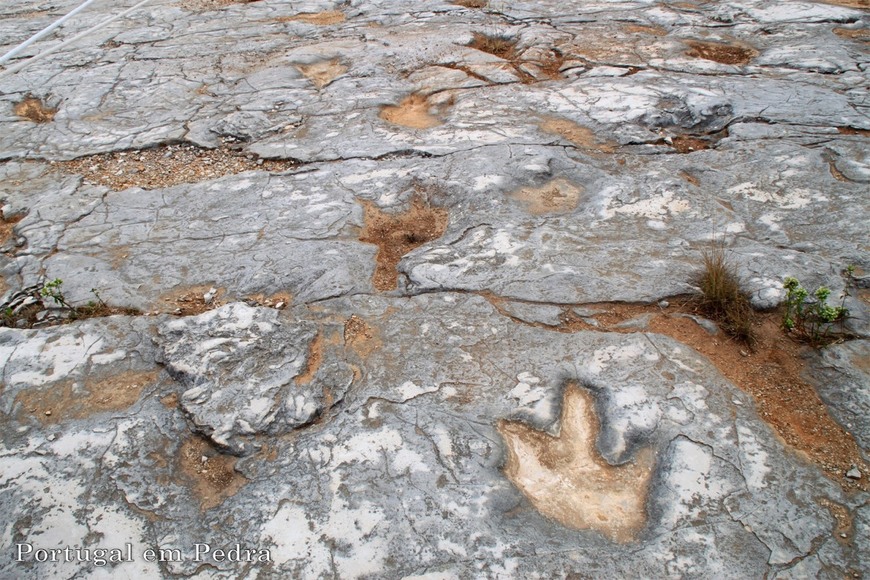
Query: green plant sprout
column 53, row 290
column 810, row 319
column 22, row 311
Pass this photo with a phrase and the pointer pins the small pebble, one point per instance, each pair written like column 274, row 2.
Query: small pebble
column 279, row 305
column 48, row 413
column 664, row 304
column 853, row 473
column 843, row 535
column 209, row 296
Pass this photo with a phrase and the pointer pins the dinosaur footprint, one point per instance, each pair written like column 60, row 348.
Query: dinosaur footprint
column 567, row 480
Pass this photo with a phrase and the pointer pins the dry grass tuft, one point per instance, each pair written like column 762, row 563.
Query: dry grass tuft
column 720, row 52
column 723, row 300
column 500, row 46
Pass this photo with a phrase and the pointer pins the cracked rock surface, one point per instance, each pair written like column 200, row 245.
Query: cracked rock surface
column 455, row 425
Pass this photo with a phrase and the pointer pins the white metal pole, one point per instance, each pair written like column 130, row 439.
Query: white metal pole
column 65, row 43
column 43, row 32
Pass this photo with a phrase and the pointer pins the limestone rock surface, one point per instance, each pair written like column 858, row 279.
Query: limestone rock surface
column 436, row 240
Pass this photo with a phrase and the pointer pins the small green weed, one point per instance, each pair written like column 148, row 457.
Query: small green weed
column 45, row 304
column 53, row 290
column 811, row 319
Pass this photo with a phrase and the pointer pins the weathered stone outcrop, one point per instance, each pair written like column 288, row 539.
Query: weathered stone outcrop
column 411, row 285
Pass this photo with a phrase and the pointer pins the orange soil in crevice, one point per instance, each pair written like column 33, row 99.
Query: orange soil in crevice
column 688, row 5
column 360, row 336
column 853, row 33
column 166, row 166
column 170, row 401
column 688, row 176
column 844, row 527
column 34, row 110
column 211, row 474
column 720, row 52
column 313, row 362
column 190, row 301
column 396, row 234
column 771, row 374
column 690, row 143
column 643, row 29
column 687, row 143
column 865, row 4
column 832, row 166
column 278, row 300
column 205, row 5
column 317, row 18
column 62, row 401
column 853, row 131
column 548, row 64
column 551, row 64
column 6, row 225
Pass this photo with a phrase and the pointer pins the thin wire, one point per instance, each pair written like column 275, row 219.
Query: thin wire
column 43, row 32
column 65, row 43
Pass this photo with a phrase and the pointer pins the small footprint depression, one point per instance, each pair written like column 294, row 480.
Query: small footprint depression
column 721, row 52
column 322, row 73
column 415, row 111
column 557, row 196
column 396, row 234
column 582, row 137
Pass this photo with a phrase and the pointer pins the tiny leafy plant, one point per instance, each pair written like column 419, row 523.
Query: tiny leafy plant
column 722, row 298
column 53, row 290
column 45, row 304
column 96, row 307
column 810, row 318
